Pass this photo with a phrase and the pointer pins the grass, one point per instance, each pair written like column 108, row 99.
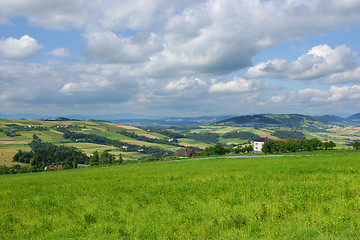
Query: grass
column 192, row 143
column 6, row 156
column 294, row 197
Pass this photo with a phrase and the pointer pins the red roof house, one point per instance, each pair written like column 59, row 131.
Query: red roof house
column 186, row 153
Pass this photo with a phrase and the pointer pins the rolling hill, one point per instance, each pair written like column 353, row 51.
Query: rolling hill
column 297, row 121
column 355, row 117
column 135, row 143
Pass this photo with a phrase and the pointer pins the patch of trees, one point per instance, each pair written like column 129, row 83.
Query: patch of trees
column 219, row 150
column 243, row 135
column 295, row 146
column 147, row 139
column 356, row 145
column 105, row 158
column 243, row 149
column 11, row 133
column 204, row 137
column 93, row 138
column 13, row 169
column 45, row 154
column 286, row 134
column 165, row 132
column 19, row 128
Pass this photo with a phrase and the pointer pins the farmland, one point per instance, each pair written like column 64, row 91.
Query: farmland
column 312, row 196
column 139, row 138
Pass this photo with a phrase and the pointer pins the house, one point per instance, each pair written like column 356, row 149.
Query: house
column 59, row 167
column 259, row 143
column 186, row 153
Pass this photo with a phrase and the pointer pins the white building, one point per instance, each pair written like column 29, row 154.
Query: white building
column 259, row 143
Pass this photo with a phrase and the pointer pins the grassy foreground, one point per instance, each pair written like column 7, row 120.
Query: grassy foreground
column 293, row 197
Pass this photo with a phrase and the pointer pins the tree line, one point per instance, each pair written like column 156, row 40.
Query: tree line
column 133, row 135
column 292, row 145
column 286, row 134
column 243, row 135
column 93, row 138
column 204, row 137
column 44, row 154
column 219, row 150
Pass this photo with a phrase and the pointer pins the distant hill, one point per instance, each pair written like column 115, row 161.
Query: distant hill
column 355, row 117
column 194, row 121
column 277, row 120
column 331, row 119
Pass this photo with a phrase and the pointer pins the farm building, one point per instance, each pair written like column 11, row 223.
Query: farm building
column 59, row 167
column 259, row 143
column 186, row 153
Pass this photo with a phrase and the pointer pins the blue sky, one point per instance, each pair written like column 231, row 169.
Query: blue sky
column 179, row 58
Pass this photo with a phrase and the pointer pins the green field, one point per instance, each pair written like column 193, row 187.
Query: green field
column 313, row 196
column 9, row 145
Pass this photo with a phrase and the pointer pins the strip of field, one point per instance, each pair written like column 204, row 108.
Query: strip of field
column 147, row 144
column 6, row 156
column 297, row 197
column 192, row 143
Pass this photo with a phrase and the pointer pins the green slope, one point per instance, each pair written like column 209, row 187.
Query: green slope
column 294, row 197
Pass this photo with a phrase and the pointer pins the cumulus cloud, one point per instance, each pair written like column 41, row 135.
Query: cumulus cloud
column 320, row 61
column 352, row 75
column 112, row 48
column 18, row 49
column 219, row 37
column 335, row 95
column 184, row 83
column 63, row 15
column 238, row 85
column 60, row 52
column 344, row 99
column 162, row 54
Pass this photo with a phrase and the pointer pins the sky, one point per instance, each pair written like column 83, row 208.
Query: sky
column 180, row 58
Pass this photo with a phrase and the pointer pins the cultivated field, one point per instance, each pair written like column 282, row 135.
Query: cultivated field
column 9, row 145
column 313, row 196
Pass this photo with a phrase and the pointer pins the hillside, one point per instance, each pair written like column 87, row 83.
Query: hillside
column 297, row 121
column 135, row 143
column 189, row 121
column 88, row 136
column 355, row 117
column 312, row 196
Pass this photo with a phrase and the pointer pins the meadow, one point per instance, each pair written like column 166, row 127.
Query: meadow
column 9, row 145
column 313, row 196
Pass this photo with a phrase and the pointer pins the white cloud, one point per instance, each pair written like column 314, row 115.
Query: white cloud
column 84, row 86
column 18, row 49
column 238, row 85
column 352, row 75
column 116, row 49
column 306, row 97
column 65, row 14
column 60, row 52
column 314, row 101
column 164, row 54
column 320, row 61
column 344, row 93
column 184, row 83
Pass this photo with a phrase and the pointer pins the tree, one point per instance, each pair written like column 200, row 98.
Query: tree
column 329, row 145
column 356, row 145
column 121, row 160
column 94, row 160
column 215, row 150
column 105, row 158
column 36, row 163
column 249, row 148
